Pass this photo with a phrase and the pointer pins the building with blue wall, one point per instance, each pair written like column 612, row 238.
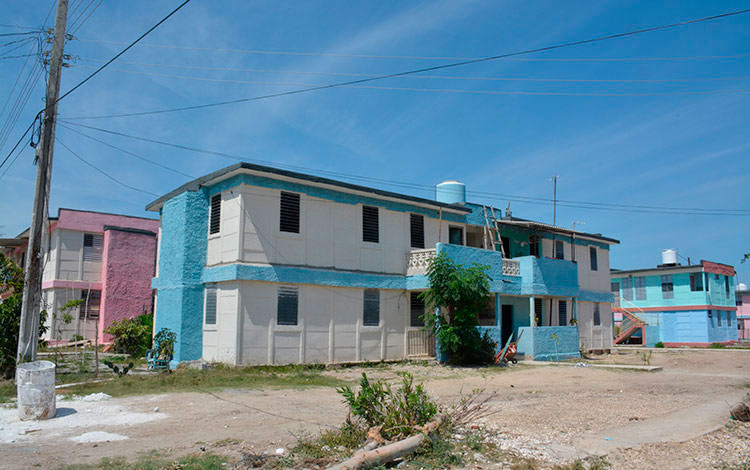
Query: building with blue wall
column 258, row 265
column 677, row 305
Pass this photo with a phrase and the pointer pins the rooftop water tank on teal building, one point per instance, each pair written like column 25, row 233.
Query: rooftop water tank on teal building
column 451, row 192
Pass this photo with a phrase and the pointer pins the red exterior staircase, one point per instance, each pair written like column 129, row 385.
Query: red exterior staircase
column 630, row 325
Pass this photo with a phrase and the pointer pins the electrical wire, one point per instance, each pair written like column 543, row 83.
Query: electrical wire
column 408, row 57
column 93, row 74
column 488, row 195
column 18, row 154
column 74, row 31
column 103, row 172
column 418, row 77
column 428, row 69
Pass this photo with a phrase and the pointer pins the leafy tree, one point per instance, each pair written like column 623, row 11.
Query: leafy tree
column 460, row 292
column 11, row 284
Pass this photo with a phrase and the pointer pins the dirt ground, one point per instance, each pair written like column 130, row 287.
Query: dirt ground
column 677, row 418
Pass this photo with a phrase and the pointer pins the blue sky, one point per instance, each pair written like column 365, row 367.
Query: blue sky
column 655, row 143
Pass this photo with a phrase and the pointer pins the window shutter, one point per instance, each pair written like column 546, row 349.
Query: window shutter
column 215, row 218
column 287, row 307
column 597, row 315
column 210, row 318
column 562, row 312
column 371, row 308
column 417, row 309
column 94, row 303
column 559, row 249
column 370, row 224
column 92, row 247
column 289, row 215
column 417, row 230
column 594, row 260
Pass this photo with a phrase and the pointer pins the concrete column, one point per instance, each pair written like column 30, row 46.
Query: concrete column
column 498, row 320
column 532, row 314
column 575, row 307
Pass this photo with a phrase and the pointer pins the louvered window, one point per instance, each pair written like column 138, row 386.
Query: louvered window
column 371, row 309
column 417, row 230
column 559, row 249
column 210, row 318
column 538, row 311
column 627, row 288
column 287, row 306
column 417, row 310
column 215, row 217
column 370, row 224
column 92, row 247
column 562, row 312
column 667, row 287
column 91, row 304
column 289, row 215
column 594, row 259
column 640, row 287
column 597, row 315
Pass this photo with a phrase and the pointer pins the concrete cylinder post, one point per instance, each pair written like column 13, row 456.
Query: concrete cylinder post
column 36, row 390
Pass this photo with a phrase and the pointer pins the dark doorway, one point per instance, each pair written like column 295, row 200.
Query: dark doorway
column 506, row 312
column 506, row 246
column 456, row 235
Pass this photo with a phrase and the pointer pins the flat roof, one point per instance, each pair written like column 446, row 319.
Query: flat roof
column 197, row 183
column 99, row 212
column 690, row 267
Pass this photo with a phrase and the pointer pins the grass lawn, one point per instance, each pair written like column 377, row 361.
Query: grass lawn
column 153, row 461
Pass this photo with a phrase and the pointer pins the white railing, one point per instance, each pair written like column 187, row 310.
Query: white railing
column 419, row 261
column 511, row 267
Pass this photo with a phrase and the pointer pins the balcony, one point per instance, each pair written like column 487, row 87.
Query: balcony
column 548, row 276
column 419, row 260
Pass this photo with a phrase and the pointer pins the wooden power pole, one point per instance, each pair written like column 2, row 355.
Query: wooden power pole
column 28, row 336
column 554, row 198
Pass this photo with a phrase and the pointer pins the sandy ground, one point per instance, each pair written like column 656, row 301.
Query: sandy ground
column 638, row 419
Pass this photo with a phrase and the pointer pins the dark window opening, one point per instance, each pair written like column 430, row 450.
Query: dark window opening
column 417, row 230
column 215, row 217
column 726, row 285
column 562, row 312
column 370, row 224
column 287, row 307
column 667, row 287
column 506, row 246
column 538, row 313
column 456, row 235
column 534, row 246
column 559, row 249
column 417, row 310
column 593, row 255
column 718, row 317
column 371, row 308
column 289, row 213
column 597, row 315
column 696, row 282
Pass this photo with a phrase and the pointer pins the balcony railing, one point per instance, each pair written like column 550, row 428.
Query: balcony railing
column 419, row 261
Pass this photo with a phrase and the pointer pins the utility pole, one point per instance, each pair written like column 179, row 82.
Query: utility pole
column 28, row 335
column 554, row 198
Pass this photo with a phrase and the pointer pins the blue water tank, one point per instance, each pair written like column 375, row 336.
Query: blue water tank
column 451, row 192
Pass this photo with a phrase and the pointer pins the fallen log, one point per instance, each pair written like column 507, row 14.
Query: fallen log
column 367, row 456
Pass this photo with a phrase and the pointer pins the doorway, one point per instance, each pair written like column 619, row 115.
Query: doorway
column 506, row 323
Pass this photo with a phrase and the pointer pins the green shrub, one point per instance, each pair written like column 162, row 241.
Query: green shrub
column 398, row 412
column 460, row 293
column 132, row 335
column 659, row 345
column 164, row 341
column 717, row 346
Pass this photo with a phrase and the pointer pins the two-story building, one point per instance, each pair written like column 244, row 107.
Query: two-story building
column 677, row 305
column 105, row 260
column 742, row 294
column 260, row 265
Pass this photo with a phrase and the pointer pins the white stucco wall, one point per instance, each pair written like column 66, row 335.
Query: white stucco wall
column 70, row 264
column 329, row 326
column 330, row 234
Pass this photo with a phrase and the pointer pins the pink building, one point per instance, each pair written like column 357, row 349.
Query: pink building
column 106, row 260
column 743, row 312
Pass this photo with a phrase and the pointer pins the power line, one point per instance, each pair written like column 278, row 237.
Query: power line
column 418, row 77
column 127, row 151
column 94, row 74
column 429, row 69
column 488, row 195
column 87, row 17
column 103, row 172
column 408, row 57
column 453, row 90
